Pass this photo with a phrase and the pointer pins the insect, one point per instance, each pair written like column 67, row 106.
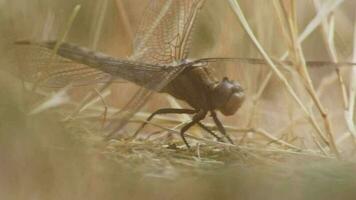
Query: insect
column 159, row 64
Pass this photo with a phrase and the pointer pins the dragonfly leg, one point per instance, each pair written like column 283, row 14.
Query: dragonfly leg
column 209, row 131
column 220, row 126
column 196, row 119
column 163, row 111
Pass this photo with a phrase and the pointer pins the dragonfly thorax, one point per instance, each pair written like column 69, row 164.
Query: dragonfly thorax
column 227, row 97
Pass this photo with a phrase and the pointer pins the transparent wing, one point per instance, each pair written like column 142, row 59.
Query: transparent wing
column 140, row 98
column 78, row 65
column 163, row 38
column 164, row 35
column 41, row 66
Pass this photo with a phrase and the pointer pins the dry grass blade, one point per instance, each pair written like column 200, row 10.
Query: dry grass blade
column 349, row 113
column 67, row 28
column 98, row 23
column 316, row 21
column 328, row 33
column 101, row 97
column 298, row 58
column 123, row 17
column 86, row 100
column 95, row 39
column 310, row 28
column 222, row 144
column 279, row 74
column 59, row 98
column 61, row 39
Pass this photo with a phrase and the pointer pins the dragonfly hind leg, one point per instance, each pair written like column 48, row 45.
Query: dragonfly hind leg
column 163, row 111
column 196, row 120
column 200, row 115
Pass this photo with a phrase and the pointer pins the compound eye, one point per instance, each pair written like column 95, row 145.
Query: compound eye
column 237, row 87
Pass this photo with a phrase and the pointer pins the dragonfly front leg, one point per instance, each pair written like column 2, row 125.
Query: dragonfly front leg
column 163, row 111
column 196, row 119
column 209, row 131
column 220, row 126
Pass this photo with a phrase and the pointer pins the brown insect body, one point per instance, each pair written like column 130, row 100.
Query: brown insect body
column 203, row 91
column 159, row 63
column 196, row 84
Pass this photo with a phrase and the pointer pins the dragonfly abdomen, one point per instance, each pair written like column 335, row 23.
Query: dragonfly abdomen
column 141, row 74
column 79, row 54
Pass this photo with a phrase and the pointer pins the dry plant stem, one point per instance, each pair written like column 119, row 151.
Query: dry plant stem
column 284, row 25
column 316, row 21
column 274, row 68
column 325, row 82
column 86, row 100
column 343, row 137
column 311, row 154
column 299, row 60
column 98, row 24
column 123, row 17
column 306, row 32
column 274, row 139
column 255, row 101
column 291, row 132
column 102, row 96
column 316, row 141
column 349, row 113
column 67, row 28
column 314, row 137
column 207, row 141
column 328, row 35
column 311, row 27
column 105, row 107
column 332, row 52
column 323, row 12
column 96, row 36
column 250, row 121
column 258, row 131
column 59, row 98
column 61, row 39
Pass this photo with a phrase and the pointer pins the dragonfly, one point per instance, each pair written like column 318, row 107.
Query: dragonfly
column 159, row 64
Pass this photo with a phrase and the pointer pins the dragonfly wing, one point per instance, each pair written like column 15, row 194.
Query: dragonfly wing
column 41, row 66
column 163, row 38
column 164, row 35
column 140, row 98
column 75, row 64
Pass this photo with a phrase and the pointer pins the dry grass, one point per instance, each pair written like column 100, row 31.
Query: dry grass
column 295, row 135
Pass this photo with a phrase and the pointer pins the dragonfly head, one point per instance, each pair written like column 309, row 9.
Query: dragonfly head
column 228, row 97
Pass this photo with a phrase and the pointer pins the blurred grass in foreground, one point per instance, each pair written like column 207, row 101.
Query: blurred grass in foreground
column 42, row 160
